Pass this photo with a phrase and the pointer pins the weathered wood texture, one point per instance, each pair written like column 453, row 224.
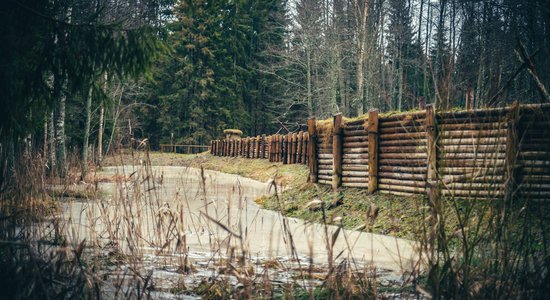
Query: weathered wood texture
column 482, row 154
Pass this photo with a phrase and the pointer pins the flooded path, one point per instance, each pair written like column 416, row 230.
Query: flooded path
column 176, row 210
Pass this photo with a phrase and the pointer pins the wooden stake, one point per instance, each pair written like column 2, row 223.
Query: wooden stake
column 337, row 141
column 312, row 150
column 431, row 136
column 372, row 131
column 512, row 145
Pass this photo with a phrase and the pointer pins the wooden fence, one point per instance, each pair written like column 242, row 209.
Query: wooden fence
column 290, row 148
column 467, row 154
column 183, row 149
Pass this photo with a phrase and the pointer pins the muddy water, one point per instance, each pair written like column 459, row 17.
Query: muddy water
column 163, row 213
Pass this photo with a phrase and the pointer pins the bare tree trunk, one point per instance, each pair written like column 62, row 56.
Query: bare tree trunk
column 100, row 134
column 84, row 159
column 61, row 154
column 308, row 83
column 45, row 148
column 361, row 25
column 51, row 140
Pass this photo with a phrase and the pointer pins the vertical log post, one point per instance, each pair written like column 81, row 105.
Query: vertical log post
column 264, row 147
column 312, row 150
column 305, row 148
column 432, row 185
column 289, row 148
column 295, row 155
column 372, row 130
column 512, row 144
column 337, row 147
column 248, row 145
column 258, row 145
column 277, row 148
column 299, row 150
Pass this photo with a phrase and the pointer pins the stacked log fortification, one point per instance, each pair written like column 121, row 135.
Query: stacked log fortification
column 488, row 153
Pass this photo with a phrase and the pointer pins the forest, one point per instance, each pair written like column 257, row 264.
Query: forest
column 81, row 73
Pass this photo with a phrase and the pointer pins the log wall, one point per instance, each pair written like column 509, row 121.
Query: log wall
column 291, row 148
column 482, row 154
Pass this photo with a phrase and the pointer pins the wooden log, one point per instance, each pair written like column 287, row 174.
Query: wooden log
column 474, row 133
column 400, row 136
column 328, row 178
column 356, row 139
column 404, row 176
column 337, row 148
column 356, row 150
column 403, row 155
column 403, row 149
column 466, row 120
column 274, row 147
column 372, row 129
column 402, row 123
column 299, row 147
column 473, row 126
column 534, row 163
column 350, row 173
column 473, row 193
column 472, row 148
column 325, row 161
column 355, row 179
column 325, row 167
column 483, row 156
column 355, row 161
column 348, row 127
column 405, row 142
column 529, row 178
column 312, row 150
column 249, row 147
column 403, row 194
column 258, row 145
column 327, row 172
column 401, row 182
column 356, row 155
column 399, row 169
column 401, row 129
column 355, row 144
column 305, row 148
column 290, row 154
column 490, row 170
column 526, row 146
column 472, row 163
column 355, row 184
column 477, row 186
column 472, row 178
column 354, row 132
column 325, row 156
column 398, row 188
column 493, row 141
column 324, row 181
column 355, row 167
column 402, row 162
column 536, row 195
column 269, row 148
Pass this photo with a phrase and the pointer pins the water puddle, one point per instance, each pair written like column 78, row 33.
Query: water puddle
column 177, row 228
